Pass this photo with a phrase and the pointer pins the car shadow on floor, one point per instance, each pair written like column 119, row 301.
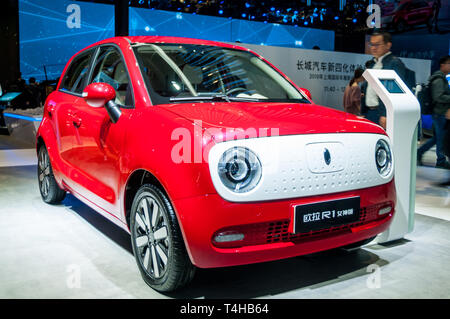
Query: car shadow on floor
column 282, row 276
column 109, row 229
column 256, row 280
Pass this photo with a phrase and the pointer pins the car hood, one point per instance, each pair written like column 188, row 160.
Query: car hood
column 288, row 118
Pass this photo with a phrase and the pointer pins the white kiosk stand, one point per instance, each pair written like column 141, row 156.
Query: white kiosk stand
column 402, row 116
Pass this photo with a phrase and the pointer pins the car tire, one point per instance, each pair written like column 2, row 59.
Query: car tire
column 358, row 244
column 51, row 193
column 157, row 242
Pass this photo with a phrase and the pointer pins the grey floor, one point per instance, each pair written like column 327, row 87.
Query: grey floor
column 69, row 251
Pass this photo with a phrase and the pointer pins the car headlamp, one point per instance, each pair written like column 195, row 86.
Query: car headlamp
column 239, row 169
column 383, row 158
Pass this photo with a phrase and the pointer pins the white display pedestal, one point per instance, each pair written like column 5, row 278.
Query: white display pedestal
column 402, row 116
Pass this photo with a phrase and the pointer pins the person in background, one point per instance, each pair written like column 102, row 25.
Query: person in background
column 440, row 99
column 352, row 94
column 446, row 143
column 34, row 94
column 380, row 44
column 434, row 20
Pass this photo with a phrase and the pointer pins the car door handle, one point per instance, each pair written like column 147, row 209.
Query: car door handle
column 76, row 121
column 51, row 107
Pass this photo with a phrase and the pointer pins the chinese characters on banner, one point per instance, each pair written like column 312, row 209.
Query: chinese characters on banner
column 331, row 71
column 326, row 73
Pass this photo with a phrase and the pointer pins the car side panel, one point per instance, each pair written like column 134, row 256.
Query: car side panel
column 57, row 132
column 96, row 156
column 154, row 138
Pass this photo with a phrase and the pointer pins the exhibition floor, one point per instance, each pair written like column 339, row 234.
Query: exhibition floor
column 69, row 251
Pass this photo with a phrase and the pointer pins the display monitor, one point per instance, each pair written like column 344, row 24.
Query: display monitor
column 392, row 86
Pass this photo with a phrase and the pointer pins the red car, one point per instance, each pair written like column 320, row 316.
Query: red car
column 209, row 157
column 409, row 13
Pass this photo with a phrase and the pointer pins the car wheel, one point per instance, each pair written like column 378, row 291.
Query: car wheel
column 157, row 242
column 51, row 193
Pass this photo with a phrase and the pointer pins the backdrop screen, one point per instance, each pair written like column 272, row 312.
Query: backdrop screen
column 52, row 31
column 155, row 22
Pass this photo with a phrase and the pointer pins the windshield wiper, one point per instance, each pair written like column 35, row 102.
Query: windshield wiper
column 213, row 98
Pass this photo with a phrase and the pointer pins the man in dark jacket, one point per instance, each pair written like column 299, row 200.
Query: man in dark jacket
column 372, row 107
column 440, row 99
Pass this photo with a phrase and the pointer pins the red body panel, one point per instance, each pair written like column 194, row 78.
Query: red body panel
column 413, row 15
column 94, row 159
column 202, row 216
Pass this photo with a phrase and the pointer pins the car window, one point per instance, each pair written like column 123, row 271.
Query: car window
column 418, row 5
column 402, row 6
column 109, row 67
column 422, row 4
column 76, row 75
column 186, row 70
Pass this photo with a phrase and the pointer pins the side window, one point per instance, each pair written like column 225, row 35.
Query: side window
column 76, row 74
column 422, row 4
column 110, row 68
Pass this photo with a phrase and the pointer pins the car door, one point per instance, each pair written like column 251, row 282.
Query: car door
column 62, row 106
column 99, row 142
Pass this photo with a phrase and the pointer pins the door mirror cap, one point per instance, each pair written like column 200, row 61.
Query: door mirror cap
column 98, row 94
column 307, row 93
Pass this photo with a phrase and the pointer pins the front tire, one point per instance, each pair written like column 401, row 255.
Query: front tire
column 157, row 242
column 48, row 187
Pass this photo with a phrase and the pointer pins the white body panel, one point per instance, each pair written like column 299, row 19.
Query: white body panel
column 294, row 166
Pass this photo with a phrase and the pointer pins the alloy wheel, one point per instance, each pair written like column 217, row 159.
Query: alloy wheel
column 152, row 237
column 44, row 173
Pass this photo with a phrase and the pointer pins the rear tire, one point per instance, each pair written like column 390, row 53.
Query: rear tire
column 51, row 193
column 157, row 242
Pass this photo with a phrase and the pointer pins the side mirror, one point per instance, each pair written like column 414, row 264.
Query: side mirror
column 307, row 93
column 102, row 95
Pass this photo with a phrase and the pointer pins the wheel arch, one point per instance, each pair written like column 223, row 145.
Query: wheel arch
column 39, row 143
column 138, row 178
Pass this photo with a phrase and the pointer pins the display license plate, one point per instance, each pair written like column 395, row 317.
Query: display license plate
column 323, row 215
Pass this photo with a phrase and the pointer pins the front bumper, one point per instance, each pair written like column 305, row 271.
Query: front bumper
column 267, row 225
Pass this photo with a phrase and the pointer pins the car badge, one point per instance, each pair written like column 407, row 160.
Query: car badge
column 327, row 156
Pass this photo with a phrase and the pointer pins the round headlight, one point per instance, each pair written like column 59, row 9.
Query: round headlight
column 239, row 169
column 383, row 158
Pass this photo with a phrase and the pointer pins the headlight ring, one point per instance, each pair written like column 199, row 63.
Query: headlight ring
column 239, row 169
column 383, row 158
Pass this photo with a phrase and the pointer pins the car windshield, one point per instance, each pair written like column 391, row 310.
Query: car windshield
column 401, row 6
column 188, row 72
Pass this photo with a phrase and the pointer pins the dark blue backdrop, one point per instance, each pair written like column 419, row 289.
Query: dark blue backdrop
column 51, row 31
